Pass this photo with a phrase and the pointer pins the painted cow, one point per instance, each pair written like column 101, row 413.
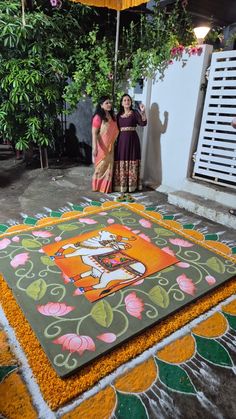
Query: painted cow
column 103, row 254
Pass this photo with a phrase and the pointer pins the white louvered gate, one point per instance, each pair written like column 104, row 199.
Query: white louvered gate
column 216, row 150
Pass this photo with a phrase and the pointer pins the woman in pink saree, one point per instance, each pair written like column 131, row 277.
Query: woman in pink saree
column 104, row 134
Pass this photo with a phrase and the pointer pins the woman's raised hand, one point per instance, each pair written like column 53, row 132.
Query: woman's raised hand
column 142, row 107
column 233, row 122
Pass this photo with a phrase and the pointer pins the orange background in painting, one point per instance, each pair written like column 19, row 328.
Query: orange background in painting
column 147, row 253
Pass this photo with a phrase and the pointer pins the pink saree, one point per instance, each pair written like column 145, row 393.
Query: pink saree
column 102, row 177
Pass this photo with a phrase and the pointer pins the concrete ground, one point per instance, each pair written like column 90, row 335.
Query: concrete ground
column 32, row 191
column 29, row 190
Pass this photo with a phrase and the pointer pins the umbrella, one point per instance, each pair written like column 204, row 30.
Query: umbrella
column 117, row 5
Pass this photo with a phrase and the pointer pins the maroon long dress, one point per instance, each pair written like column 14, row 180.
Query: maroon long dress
column 127, row 158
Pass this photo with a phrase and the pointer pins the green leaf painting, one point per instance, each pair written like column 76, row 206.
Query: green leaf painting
column 31, row 244
column 216, row 264
column 163, row 232
column 129, row 405
column 47, row 261
column 68, row 227
column 169, row 269
column 213, row 351
column 174, row 377
column 102, row 313
column 120, row 214
column 159, row 296
column 37, row 289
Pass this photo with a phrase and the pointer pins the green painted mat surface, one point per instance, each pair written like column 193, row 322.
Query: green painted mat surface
column 72, row 329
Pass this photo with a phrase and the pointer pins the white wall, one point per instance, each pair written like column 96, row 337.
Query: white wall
column 174, row 105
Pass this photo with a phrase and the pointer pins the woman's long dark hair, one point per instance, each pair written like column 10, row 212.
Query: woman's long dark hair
column 121, row 109
column 99, row 111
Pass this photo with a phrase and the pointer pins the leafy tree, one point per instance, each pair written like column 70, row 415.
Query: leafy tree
column 36, row 60
column 94, row 65
column 150, row 42
column 144, row 48
column 58, row 54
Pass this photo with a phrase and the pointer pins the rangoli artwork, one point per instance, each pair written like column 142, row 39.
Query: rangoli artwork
column 82, row 303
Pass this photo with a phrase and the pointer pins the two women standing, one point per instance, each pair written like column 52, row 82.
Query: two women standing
column 125, row 176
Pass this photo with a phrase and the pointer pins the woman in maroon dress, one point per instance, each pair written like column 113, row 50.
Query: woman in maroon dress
column 127, row 161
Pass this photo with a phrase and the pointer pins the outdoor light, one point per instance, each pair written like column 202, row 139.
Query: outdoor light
column 200, row 33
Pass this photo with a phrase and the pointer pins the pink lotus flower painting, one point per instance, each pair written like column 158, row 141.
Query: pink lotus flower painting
column 16, row 239
column 57, row 239
column 55, row 309
column 181, row 242
column 183, row 264
column 145, row 237
column 4, row 243
column 107, row 337
column 42, row 233
column 210, row 280
column 19, row 260
column 134, row 305
column 88, row 221
column 145, row 223
column 110, row 221
column 168, row 250
column 75, row 343
column 186, row 284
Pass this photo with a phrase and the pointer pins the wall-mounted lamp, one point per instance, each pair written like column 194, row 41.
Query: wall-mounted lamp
column 201, row 32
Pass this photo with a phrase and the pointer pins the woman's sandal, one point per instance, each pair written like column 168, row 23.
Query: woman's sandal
column 232, row 211
column 129, row 198
column 121, row 198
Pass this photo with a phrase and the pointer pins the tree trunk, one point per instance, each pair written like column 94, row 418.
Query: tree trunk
column 23, row 12
column 45, row 158
column 43, row 155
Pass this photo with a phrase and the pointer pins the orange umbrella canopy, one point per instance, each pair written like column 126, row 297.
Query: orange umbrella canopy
column 112, row 4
